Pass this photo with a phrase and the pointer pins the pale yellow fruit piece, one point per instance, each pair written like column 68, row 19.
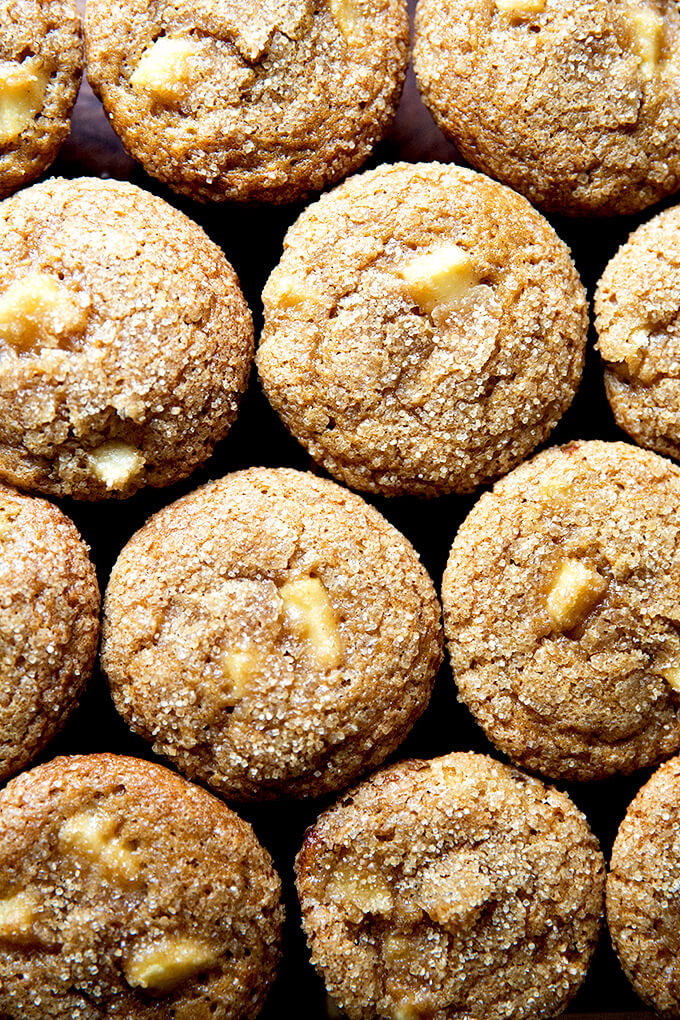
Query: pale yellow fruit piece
column 441, row 277
column 167, row 68
column 115, row 463
column 22, row 92
column 672, row 675
column 288, row 291
column 90, row 835
column 575, row 589
column 347, row 17
column 520, row 7
column 37, row 309
column 17, row 914
column 367, row 891
column 555, row 486
column 239, row 668
column 309, row 613
column 167, row 962
column 648, row 38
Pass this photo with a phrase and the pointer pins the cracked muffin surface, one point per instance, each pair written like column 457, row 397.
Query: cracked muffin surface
column 272, row 634
column 41, row 64
column 125, row 341
column 127, row 893
column 561, row 611
column 643, row 910
column 248, row 101
column 637, row 306
column 449, row 889
column 49, row 624
column 577, row 106
column 424, row 330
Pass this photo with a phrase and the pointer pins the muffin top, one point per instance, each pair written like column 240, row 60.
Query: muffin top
column 49, row 624
column 125, row 341
column 41, row 64
column 127, row 892
column 272, row 634
column 643, row 910
column 253, row 101
column 577, row 106
column 562, row 615
column 424, row 330
column 451, row 888
column 637, row 305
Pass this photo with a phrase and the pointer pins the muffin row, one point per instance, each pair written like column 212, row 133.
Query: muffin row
column 424, row 332
column 269, row 102
column 273, row 635
column 434, row 888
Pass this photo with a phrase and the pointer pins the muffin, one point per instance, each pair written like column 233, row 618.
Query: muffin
column 637, row 305
column 257, row 102
column 125, row 341
column 562, row 614
column 272, row 634
column 577, row 106
column 41, row 64
column 643, row 910
column 423, row 331
column 451, row 888
column 129, row 894
column 49, row 624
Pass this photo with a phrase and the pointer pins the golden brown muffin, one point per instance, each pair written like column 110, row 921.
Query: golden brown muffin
column 637, row 305
column 125, row 341
column 253, row 101
column 41, row 65
column 562, row 614
column 449, row 889
column 577, row 106
column 424, row 330
column 49, row 624
column 272, row 634
column 643, row 908
column 127, row 893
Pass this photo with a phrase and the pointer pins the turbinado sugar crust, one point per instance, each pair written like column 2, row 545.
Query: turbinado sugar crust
column 424, row 330
column 261, row 101
column 562, row 615
column 127, row 892
column 451, row 888
column 272, row 634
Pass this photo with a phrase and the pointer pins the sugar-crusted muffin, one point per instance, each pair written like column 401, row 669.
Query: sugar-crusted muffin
column 128, row 893
column 244, row 100
column 272, row 634
column 577, row 106
column 643, row 911
column 125, row 341
column 424, row 330
column 457, row 887
column 637, row 306
column 562, row 615
column 49, row 624
column 41, row 64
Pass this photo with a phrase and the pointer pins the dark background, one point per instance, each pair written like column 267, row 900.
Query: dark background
column 252, row 240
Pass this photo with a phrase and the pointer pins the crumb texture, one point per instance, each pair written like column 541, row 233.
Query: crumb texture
column 272, row 634
column 452, row 889
column 49, row 624
column 561, row 611
column 424, row 330
column 41, row 64
column 125, row 341
column 637, row 306
column 576, row 106
column 129, row 894
column 248, row 101
column 643, row 908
